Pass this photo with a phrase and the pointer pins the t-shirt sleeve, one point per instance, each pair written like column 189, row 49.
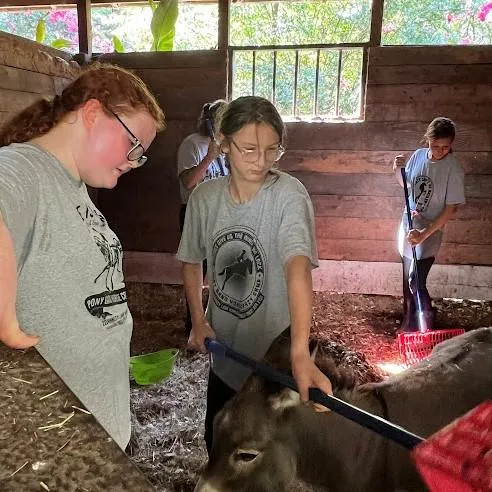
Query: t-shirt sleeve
column 455, row 192
column 19, row 193
column 297, row 230
column 192, row 245
column 188, row 155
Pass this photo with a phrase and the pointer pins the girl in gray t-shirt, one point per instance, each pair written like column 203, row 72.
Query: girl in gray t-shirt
column 436, row 188
column 255, row 227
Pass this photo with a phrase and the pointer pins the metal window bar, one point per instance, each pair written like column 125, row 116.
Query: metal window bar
column 316, row 84
column 274, row 77
column 296, row 76
column 253, row 68
column 318, row 48
column 339, row 76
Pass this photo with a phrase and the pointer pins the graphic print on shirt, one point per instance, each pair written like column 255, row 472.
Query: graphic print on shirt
column 111, row 274
column 423, row 188
column 239, row 263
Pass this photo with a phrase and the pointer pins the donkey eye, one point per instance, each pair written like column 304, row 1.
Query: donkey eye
column 246, row 455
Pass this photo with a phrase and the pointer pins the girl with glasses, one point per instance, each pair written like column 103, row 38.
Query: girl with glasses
column 256, row 230
column 60, row 264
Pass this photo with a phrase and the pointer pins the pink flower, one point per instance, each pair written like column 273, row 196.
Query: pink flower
column 465, row 41
column 57, row 15
column 484, row 10
column 450, row 18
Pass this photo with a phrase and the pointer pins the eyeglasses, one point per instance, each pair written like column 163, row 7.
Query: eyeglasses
column 251, row 156
column 136, row 153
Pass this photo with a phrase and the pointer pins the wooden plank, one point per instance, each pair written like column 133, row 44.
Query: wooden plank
column 169, row 59
column 378, row 136
column 19, row 52
column 370, row 250
column 179, row 78
column 374, row 207
column 415, row 111
column 431, row 93
column 476, row 186
column 456, row 231
column 185, row 103
column 14, row 101
column 358, row 277
column 430, row 55
column 384, row 278
column 21, row 80
column 430, row 74
column 362, row 161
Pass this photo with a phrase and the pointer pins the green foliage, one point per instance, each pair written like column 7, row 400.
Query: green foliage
column 118, row 45
column 61, row 44
column 163, row 25
column 41, row 30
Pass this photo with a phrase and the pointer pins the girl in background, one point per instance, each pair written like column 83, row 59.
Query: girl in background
column 436, row 188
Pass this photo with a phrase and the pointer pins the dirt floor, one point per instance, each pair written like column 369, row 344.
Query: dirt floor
column 358, row 331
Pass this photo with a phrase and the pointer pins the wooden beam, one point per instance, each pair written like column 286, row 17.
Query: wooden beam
column 376, row 22
column 358, row 277
column 85, row 26
column 223, row 35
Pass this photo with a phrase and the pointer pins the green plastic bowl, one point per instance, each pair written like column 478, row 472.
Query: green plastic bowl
column 154, row 367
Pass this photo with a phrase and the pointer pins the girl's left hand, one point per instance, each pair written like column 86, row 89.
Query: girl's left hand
column 307, row 375
column 416, row 236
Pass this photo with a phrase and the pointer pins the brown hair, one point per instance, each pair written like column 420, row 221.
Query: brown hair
column 250, row 109
column 117, row 89
column 440, row 127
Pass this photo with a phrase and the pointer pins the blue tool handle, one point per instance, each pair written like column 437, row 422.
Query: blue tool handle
column 366, row 419
column 210, row 129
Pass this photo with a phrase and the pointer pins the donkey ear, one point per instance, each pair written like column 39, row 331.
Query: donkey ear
column 284, row 399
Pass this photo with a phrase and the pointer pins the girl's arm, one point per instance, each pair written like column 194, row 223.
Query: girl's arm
column 194, row 175
column 300, row 295
column 193, row 284
column 416, row 236
column 10, row 332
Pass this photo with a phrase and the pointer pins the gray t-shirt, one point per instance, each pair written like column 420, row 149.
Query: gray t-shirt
column 70, row 282
column 247, row 247
column 432, row 185
column 191, row 152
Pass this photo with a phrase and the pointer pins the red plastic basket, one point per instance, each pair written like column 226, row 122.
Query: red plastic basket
column 458, row 458
column 416, row 346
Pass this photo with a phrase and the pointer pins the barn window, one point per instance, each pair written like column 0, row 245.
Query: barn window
column 440, row 22
column 306, row 56
column 115, row 27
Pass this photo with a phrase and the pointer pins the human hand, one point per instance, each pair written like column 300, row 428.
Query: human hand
column 307, row 375
column 12, row 335
column 399, row 162
column 199, row 332
column 213, row 150
column 416, row 236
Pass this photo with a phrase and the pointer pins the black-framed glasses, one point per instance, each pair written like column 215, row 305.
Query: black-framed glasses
column 253, row 155
column 136, row 154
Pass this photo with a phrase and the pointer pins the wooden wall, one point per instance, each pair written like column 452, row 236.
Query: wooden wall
column 346, row 167
column 143, row 209
column 29, row 71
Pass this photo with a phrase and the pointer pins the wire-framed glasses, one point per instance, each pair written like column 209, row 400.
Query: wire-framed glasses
column 253, row 155
column 136, row 153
